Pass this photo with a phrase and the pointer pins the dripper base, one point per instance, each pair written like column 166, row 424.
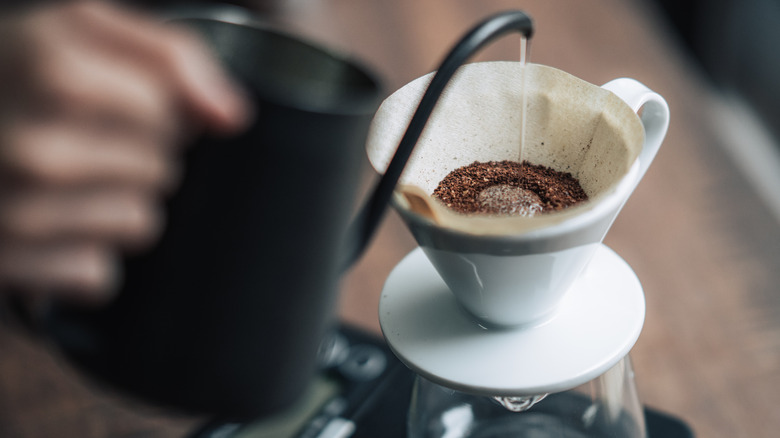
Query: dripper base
column 594, row 326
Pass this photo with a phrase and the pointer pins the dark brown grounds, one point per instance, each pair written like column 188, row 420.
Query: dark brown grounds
column 508, row 184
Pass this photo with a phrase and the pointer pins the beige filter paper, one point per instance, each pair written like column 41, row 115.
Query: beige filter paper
column 571, row 126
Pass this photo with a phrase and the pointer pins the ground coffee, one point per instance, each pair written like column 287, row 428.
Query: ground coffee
column 508, row 188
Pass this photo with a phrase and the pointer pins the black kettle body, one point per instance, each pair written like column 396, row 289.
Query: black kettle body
column 226, row 313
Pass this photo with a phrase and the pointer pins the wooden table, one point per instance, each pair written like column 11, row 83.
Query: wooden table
column 704, row 245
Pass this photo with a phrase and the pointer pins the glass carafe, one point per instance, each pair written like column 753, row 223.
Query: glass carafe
column 606, row 406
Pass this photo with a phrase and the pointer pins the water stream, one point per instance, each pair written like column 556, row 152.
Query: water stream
column 523, row 55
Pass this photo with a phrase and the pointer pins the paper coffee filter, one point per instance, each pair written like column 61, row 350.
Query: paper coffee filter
column 571, row 126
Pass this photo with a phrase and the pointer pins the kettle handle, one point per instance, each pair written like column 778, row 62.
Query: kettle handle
column 367, row 221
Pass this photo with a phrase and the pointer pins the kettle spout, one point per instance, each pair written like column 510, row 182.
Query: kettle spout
column 367, row 221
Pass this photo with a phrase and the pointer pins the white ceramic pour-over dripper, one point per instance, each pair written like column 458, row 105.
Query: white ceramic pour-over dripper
column 514, row 271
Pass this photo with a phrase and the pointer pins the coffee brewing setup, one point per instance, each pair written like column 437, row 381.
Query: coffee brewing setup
column 512, row 326
column 519, row 326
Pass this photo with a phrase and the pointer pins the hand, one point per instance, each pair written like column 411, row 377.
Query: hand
column 94, row 102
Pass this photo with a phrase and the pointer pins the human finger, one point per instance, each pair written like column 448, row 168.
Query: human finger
column 117, row 216
column 72, row 81
column 77, row 270
column 186, row 64
column 61, row 153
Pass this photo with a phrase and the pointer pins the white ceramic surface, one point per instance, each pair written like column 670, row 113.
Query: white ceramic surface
column 592, row 328
column 509, row 290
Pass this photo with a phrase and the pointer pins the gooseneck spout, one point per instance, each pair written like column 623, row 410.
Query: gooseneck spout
column 368, row 219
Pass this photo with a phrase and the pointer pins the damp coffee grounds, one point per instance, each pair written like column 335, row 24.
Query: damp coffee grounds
column 508, row 188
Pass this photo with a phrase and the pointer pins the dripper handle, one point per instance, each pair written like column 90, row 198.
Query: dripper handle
column 654, row 116
column 367, row 221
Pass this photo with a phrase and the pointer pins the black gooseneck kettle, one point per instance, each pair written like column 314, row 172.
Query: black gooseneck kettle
column 225, row 314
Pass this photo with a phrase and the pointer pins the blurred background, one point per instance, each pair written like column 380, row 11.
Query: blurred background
column 733, row 44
